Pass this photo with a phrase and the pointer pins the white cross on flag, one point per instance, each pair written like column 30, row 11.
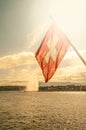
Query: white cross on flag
column 51, row 51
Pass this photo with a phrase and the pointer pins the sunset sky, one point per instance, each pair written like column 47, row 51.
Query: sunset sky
column 22, row 25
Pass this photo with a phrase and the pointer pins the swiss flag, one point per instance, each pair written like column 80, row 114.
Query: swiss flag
column 51, row 51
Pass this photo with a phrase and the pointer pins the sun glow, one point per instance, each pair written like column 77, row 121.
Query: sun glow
column 69, row 17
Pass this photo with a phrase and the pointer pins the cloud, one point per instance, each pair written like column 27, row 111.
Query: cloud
column 10, row 61
column 21, row 66
column 24, row 67
column 72, row 68
column 72, row 59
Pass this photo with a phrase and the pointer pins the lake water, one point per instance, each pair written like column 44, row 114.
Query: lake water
column 42, row 111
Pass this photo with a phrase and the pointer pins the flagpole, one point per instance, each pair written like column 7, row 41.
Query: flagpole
column 78, row 54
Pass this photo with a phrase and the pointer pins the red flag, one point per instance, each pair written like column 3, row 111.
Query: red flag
column 51, row 51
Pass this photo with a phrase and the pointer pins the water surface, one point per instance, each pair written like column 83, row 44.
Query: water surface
column 42, row 110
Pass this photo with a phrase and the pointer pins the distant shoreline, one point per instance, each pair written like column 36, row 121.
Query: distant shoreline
column 45, row 88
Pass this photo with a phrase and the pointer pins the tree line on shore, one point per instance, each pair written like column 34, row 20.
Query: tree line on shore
column 63, row 88
column 12, row 88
